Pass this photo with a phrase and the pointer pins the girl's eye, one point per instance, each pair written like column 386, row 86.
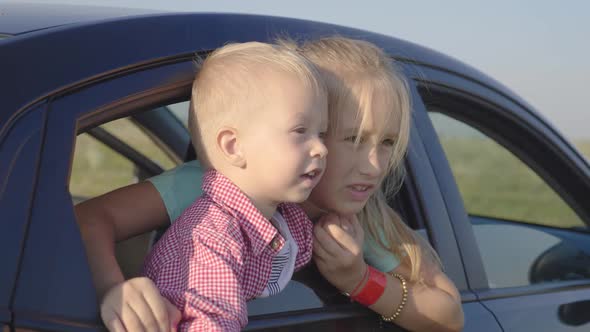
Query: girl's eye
column 350, row 139
column 388, row 142
column 354, row 138
column 322, row 135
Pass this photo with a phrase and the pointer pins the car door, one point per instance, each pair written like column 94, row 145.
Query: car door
column 437, row 215
column 20, row 146
column 521, row 206
column 54, row 289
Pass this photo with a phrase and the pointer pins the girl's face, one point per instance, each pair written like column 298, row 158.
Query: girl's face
column 358, row 158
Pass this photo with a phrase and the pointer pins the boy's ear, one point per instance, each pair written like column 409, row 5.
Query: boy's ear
column 229, row 145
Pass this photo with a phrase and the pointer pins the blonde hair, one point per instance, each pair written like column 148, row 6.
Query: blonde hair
column 359, row 69
column 230, row 78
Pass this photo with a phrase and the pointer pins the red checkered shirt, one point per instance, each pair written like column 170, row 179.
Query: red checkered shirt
column 218, row 254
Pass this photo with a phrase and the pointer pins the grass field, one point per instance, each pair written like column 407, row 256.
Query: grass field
column 494, row 183
column 97, row 169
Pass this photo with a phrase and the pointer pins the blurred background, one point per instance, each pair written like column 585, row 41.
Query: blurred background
column 539, row 49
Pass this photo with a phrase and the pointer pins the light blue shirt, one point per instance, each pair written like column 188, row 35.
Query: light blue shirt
column 180, row 187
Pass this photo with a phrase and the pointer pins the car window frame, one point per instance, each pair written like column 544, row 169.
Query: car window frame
column 142, row 88
column 434, row 80
column 20, row 149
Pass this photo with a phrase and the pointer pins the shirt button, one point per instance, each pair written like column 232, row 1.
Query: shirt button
column 276, row 242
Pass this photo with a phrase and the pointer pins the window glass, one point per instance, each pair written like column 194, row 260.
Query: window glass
column 584, row 146
column 97, row 169
column 180, row 110
column 495, row 183
column 524, row 230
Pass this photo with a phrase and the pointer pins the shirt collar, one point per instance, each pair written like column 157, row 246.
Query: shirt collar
column 224, row 192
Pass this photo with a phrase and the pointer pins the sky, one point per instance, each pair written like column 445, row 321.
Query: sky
column 539, row 49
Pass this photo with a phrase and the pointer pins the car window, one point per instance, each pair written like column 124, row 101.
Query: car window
column 495, row 183
column 525, row 231
column 97, row 169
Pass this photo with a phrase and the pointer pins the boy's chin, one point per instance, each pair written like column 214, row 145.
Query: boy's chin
column 297, row 197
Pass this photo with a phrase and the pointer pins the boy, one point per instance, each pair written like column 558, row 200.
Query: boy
column 257, row 118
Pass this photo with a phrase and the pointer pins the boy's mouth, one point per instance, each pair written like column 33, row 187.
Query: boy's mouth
column 312, row 174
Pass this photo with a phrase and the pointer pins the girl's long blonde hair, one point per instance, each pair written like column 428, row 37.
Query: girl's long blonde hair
column 361, row 68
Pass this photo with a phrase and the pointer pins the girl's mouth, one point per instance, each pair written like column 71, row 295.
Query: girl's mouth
column 360, row 192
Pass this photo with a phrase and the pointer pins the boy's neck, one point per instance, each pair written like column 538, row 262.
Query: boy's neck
column 267, row 208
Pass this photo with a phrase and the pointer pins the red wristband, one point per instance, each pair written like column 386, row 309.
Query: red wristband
column 373, row 289
column 360, row 282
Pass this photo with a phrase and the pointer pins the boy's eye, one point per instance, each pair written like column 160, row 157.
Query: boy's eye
column 322, row 135
column 300, row 130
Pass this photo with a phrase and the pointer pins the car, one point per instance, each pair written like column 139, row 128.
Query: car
column 491, row 184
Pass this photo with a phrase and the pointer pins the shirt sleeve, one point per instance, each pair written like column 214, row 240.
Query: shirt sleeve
column 179, row 187
column 377, row 256
column 209, row 286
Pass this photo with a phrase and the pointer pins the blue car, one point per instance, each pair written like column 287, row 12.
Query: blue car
column 498, row 191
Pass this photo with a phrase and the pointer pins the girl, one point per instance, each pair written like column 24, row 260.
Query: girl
column 362, row 247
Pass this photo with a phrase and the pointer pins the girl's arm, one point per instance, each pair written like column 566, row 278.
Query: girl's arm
column 434, row 305
column 114, row 217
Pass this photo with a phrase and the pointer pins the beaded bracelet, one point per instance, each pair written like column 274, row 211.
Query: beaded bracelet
column 401, row 305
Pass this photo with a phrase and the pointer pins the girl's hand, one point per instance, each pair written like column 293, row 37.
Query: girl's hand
column 136, row 305
column 338, row 251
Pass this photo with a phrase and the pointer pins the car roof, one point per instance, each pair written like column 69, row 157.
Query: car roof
column 20, row 18
column 76, row 43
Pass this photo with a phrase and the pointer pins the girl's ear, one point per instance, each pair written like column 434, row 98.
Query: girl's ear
column 229, row 145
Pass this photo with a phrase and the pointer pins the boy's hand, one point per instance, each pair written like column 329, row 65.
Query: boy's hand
column 338, row 251
column 136, row 305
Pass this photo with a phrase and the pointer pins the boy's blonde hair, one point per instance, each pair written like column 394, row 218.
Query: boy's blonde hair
column 229, row 83
column 356, row 70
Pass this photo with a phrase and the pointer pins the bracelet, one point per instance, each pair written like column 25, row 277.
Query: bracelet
column 360, row 283
column 373, row 289
column 401, row 305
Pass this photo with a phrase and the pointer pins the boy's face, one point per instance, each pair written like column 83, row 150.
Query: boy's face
column 283, row 141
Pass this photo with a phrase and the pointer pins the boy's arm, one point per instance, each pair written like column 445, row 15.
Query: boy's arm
column 113, row 217
column 208, row 280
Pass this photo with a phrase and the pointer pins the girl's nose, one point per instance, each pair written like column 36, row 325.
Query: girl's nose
column 371, row 165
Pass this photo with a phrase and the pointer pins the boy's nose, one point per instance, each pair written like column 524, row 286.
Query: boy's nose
column 319, row 149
